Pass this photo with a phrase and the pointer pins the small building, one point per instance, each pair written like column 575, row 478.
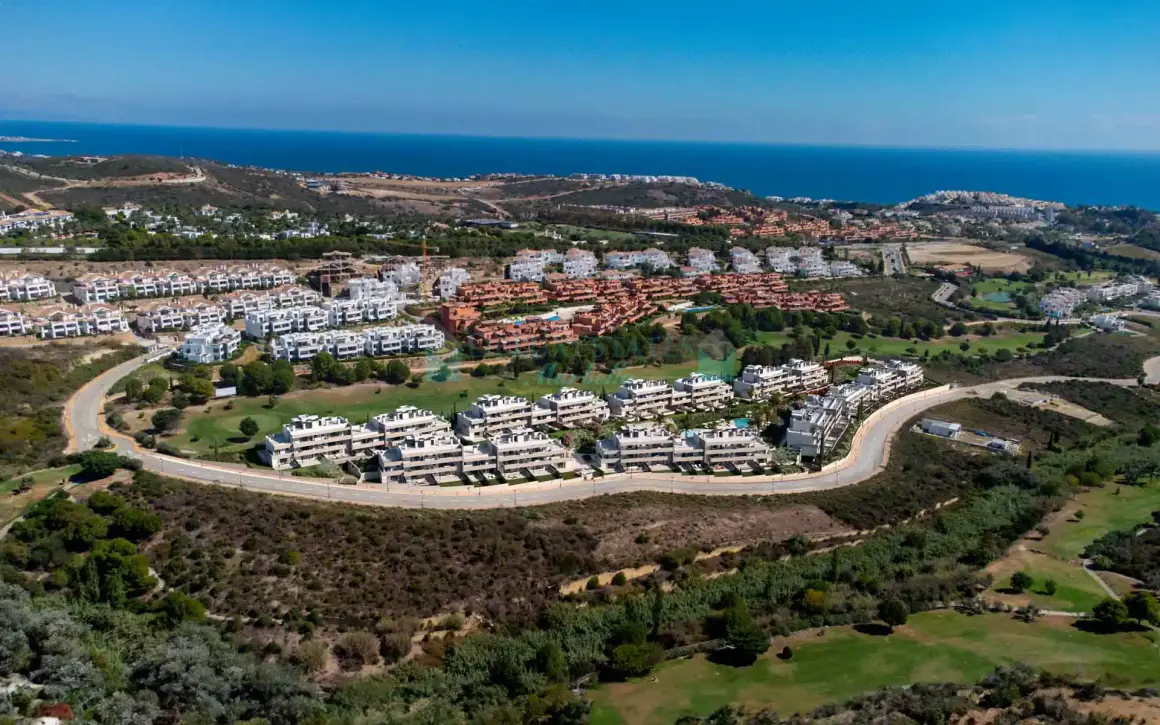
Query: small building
column 211, row 343
column 940, row 428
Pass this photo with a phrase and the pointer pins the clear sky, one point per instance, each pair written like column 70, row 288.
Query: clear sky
column 990, row 73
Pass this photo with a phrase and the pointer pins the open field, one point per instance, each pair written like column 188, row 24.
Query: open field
column 927, row 253
column 360, row 402
column 1076, row 591
column 1005, row 338
column 932, row 647
column 1133, row 251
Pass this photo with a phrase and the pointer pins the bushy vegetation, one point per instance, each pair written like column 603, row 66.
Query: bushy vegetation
column 1132, row 408
column 36, row 382
column 1131, row 553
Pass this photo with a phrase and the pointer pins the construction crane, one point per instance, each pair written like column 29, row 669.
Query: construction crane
column 426, row 283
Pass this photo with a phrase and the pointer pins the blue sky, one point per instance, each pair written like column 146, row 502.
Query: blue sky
column 988, row 73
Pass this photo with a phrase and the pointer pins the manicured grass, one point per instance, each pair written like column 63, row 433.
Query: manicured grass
column 358, row 403
column 1111, row 508
column 1076, row 591
column 1134, row 251
column 1007, row 338
column 933, row 647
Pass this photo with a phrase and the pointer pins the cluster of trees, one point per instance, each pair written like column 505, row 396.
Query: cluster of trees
column 1131, row 553
column 259, row 377
column 324, row 368
column 643, row 342
column 1138, row 606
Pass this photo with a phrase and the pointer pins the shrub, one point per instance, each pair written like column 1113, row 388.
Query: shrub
column 166, row 420
column 312, row 655
column 619, row 579
column 358, row 647
column 593, row 584
column 248, row 427
column 1021, row 581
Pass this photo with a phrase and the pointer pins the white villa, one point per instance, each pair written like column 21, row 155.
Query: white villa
column 211, row 343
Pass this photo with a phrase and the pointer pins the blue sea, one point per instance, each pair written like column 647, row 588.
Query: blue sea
column 884, row 175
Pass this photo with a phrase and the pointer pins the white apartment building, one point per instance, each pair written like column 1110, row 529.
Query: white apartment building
column 706, row 392
column 891, row 378
column 579, row 264
column 573, row 408
column 59, row 322
column 33, row 219
column 261, row 323
column 1061, row 303
column 646, row 399
column 384, row 341
column 744, row 261
column 426, row 460
column 302, row 346
column 1113, row 291
column 803, row 261
column 242, row 302
column 177, row 316
column 702, row 260
column 93, row 288
column 211, row 343
column 759, row 382
column 523, row 452
column 526, row 267
column 820, row 424
column 362, row 287
column 346, row 344
column 244, row 276
column 450, row 280
column 494, row 414
column 638, row 446
column 626, row 260
column 844, row 269
column 25, row 287
column 307, row 439
column 13, row 322
column 442, row 458
column 344, row 313
column 1107, row 323
column 403, row 274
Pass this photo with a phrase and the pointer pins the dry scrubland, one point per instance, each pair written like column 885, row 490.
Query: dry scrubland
column 927, row 253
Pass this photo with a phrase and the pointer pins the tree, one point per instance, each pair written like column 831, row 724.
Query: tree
column 396, row 372
column 99, row 464
column 257, row 379
column 321, row 366
column 551, row 661
column 634, row 660
column 248, row 427
column 1142, row 607
column 281, row 377
column 133, row 388
column 958, row 329
column 1110, row 613
column 134, row 524
column 893, row 612
column 166, row 420
column 176, row 608
column 442, row 374
column 1021, row 581
column 200, row 390
column 228, row 373
column 745, row 640
column 1050, row 587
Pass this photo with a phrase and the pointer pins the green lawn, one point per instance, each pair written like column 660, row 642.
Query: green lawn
column 1008, row 338
column 47, row 475
column 1076, row 591
column 934, row 647
column 1111, row 508
column 361, row 402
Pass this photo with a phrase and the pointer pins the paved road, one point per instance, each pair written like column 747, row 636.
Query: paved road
column 869, row 451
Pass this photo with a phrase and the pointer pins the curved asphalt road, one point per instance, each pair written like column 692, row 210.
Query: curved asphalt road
column 869, row 451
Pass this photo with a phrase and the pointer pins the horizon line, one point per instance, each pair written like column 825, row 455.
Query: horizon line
column 610, row 139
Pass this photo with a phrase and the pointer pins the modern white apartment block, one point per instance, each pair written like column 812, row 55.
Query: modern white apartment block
column 1061, row 303
column 646, row 399
column 520, row 452
column 302, row 346
column 33, row 220
column 759, row 382
column 1114, row 290
column 243, row 276
column 638, row 446
column 494, row 414
column 347, row 344
column 58, row 322
column 13, row 322
column 344, row 313
column 573, row 408
column 702, row 260
column 403, row 274
column 363, row 287
column 384, row 341
column 450, row 280
column 308, row 439
column 25, row 287
column 527, row 267
column 844, row 269
column 891, row 377
column 242, row 302
column 706, row 392
column 1106, row 323
column 177, row 316
column 579, row 264
column 93, row 288
column 211, row 343
column 262, row 323
column 654, row 258
column 820, row 424
column 744, row 261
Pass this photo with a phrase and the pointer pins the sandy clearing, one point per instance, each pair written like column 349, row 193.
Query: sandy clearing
column 924, row 253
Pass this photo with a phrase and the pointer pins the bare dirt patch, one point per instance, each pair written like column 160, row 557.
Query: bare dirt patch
column 925, row 253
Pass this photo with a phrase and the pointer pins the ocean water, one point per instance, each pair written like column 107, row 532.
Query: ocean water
column 884, row 175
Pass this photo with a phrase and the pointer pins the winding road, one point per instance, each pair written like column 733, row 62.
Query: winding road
column 869, row 452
